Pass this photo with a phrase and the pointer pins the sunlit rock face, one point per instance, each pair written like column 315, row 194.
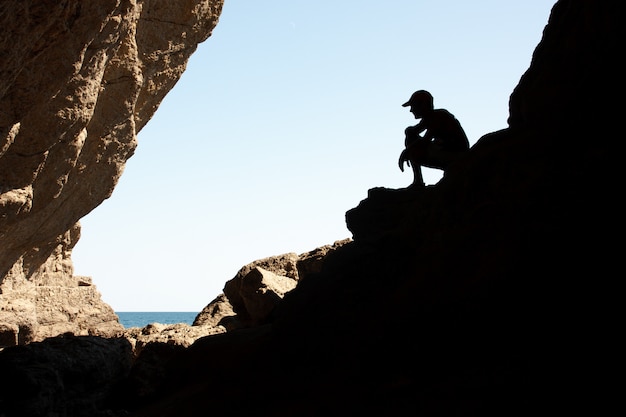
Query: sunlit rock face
column 78, row 81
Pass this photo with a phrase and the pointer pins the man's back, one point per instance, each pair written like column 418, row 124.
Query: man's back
column 445, row 130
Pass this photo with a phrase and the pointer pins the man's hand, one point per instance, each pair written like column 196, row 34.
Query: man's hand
column 402, row 160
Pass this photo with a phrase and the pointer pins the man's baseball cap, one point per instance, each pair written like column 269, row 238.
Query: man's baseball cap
column 419, row 96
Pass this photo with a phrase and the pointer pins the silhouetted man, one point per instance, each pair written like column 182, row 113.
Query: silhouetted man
column 444, row 139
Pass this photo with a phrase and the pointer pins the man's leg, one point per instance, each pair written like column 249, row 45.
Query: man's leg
column 418, row 179
column 438, row 158
column 417, row 154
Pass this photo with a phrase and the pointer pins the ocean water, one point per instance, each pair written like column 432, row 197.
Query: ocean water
column 141, row 319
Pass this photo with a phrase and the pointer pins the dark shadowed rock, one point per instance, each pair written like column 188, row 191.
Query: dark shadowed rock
column 487, row 294
column 62, row 376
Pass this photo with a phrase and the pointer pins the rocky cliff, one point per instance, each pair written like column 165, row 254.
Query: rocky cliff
column 78, row 80
column 490, row 293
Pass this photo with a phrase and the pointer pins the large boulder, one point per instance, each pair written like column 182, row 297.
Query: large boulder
column 250, row 298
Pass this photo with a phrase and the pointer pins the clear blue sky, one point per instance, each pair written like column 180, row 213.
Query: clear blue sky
column 284, row 119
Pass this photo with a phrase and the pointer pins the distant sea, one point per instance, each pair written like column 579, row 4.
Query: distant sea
column 141, row 319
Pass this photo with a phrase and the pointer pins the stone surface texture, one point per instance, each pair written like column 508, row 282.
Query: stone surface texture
column 179, row 334
column 250, row 298
column 77, row 372
column 78, row 80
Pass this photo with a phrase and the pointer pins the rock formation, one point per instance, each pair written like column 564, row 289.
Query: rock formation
column 78, row 80
column 250, row 298
column 491, row 293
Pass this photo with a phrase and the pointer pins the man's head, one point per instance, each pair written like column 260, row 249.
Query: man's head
column 421, row 101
